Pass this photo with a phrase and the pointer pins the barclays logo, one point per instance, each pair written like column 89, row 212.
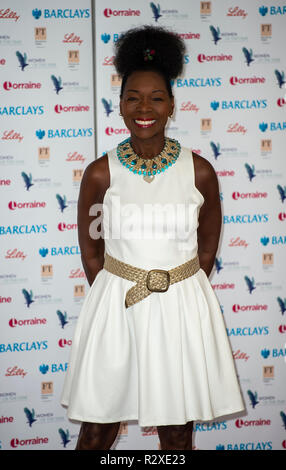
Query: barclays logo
column 67, row 13
column 21, row 110
column 275, row 240
column 248, row 331
column 273, row 10
column 56, row 251
column 239, row 104
column 106, row 37
column 265, row 353
column 246, row 446
column 273, row 126
column 44, row 368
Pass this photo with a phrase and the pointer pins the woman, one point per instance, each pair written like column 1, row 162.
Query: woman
column 150, row 343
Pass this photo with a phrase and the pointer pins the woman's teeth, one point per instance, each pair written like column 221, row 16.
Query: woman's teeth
column 145, row 123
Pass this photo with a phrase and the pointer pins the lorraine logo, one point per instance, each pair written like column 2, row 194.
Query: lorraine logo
column 282, row 192
column 215, row 34
column 250, row 284
column 62, row 202
column 28, row 297
column 57, row 83
column 248, row 53
column 22, row 58
column 64, row 436
column 253, row 398
column 107, row 106
column 250, row 171
column 36, row 13
column 156, row 11
column 282, row 305
column 283, row 417
column 30, row 415
column 264, row 241
column 280, row 78
column 216, row 149
column 27, row 180
column 43, row 368
column 265, row 353
column 62, row 317
column 218, row 264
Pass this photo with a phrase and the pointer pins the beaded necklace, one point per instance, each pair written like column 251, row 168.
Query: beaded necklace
column 148, row 167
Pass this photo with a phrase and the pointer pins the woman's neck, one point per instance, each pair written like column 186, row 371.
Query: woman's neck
column 148, row 148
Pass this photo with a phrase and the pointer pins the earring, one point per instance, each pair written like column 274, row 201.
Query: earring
column 120, row 114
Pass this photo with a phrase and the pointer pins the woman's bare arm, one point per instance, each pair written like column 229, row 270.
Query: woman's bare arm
column 210, row 217
column 94, row 183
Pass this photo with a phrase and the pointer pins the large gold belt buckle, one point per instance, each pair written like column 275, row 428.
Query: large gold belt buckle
column 157, row 271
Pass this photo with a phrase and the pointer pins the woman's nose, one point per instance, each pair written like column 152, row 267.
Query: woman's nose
column 144, row 104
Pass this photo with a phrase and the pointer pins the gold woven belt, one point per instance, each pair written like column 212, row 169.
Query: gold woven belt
column 155, row 280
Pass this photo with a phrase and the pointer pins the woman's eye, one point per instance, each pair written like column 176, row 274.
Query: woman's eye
column 131, row 98
column 157, row 99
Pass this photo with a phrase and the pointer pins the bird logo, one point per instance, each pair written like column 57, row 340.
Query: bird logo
column 22, row 58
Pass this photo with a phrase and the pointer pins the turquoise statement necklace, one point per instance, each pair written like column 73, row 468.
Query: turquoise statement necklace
column 148, row 167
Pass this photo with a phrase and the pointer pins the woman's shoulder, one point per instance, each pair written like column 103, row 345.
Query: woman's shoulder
column 96, row 174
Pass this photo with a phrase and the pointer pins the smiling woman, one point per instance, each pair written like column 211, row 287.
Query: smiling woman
column 150, row 343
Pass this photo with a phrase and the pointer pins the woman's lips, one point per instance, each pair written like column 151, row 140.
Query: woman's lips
column 145, row 123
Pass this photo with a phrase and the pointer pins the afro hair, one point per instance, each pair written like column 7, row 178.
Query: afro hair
column 149, row 48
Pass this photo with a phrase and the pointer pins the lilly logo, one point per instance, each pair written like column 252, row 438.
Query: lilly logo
column 214, row 105
column 40, row 134
column 156, row 11
column 282, row 304
column 22, row 58
column 215, row 34
column 43, row 252
column 64, row 436
column 282, row 192
column 36, row 13
column 28, row 297
column 263, row 126
column 265, row 353
column 264, row 241
column 216, row 149
column 30, row 416
column 263, row 10
column 253, row 398
column 218, row 265
column 62, row 202
column 57, row 83
column 107, row 106
column 248, row 55
column 250, row 283
column 250, row 171
column 27, row 180
column 105, row 38
column 44, row 368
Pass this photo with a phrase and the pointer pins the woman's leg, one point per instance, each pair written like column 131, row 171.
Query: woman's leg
column 176, row 437
column 97, row 436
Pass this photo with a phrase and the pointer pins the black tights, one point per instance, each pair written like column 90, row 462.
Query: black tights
column 95, row 436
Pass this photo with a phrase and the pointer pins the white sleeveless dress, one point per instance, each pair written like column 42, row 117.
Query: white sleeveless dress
column 166, row 359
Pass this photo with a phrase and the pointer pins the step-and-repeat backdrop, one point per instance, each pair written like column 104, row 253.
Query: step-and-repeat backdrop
column 59, row 110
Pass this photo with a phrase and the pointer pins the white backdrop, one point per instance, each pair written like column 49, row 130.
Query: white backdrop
column 230, row 108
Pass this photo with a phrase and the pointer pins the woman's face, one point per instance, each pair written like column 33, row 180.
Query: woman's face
column 145, row 104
